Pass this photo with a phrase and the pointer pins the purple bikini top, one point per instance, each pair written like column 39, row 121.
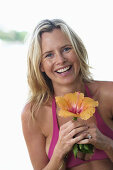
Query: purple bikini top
column 71, row 161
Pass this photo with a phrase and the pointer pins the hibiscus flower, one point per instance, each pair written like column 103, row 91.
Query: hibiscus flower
column 76, row 105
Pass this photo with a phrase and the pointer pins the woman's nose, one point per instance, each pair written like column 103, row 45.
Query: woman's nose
column 60, row 58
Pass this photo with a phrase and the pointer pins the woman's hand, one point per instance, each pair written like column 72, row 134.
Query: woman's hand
column 96, row 138
column 70, row 133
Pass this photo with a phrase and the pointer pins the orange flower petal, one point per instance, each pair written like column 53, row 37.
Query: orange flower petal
column 74, row 99
column 89, row 102
column 65, row 113
column 80, row 100
column 87, row 113
column 62, row 103
column 71, row 98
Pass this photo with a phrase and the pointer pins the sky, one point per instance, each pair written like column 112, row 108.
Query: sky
column 92, row 20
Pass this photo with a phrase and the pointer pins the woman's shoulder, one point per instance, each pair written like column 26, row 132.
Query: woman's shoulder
column 38, row 113
column 103, row 87
column 26, row 112
column 104, row 84
column 102, row 90
column 42, row 117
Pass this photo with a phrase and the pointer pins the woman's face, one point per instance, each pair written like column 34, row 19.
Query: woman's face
column 59, row 60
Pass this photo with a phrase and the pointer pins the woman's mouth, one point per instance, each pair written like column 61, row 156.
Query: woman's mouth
column 63, row 70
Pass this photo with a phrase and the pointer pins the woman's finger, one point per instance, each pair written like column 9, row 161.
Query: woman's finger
column 79, row 138
column 76, row 131
column 69, row 126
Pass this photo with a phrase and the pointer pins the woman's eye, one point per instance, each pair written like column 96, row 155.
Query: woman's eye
column 49, row 55
column 66, row 49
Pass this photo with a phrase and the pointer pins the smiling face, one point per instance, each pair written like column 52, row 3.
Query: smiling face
column 59, row 60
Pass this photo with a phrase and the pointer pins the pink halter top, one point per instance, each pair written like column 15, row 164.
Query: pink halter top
column 71, row 161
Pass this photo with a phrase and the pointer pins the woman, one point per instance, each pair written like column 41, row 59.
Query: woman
column 57, row 65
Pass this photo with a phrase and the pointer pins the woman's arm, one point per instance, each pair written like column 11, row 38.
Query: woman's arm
column 108, row 91
column 109, row 150
column 36, row 141
column 99, row 140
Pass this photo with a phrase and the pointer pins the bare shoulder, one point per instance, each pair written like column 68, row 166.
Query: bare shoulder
column 103, row 92
column 41, row 117
column 25, row 115
column 102, row 88
column 30, row 127
column 107, row 86
column 26, row 118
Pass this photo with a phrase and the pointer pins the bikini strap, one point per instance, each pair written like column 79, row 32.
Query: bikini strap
column 87, row 91
column 54, row 114
column 55, row 133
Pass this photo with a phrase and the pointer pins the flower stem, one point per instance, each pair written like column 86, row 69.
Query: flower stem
column 74, row 118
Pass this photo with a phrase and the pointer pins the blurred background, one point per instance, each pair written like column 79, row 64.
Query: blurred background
column 92, row 20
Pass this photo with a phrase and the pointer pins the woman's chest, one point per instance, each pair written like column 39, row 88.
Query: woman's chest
column 51, row 128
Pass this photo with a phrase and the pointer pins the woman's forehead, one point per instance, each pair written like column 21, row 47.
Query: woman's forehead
column 54, row 38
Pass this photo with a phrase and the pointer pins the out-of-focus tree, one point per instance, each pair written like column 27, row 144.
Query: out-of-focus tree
column 13, row 36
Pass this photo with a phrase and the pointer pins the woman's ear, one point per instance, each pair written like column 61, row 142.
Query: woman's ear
column 41, row 67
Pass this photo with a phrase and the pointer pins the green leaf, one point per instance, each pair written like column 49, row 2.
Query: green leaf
column 80, row 146
column 75, row 150
column 86, row 147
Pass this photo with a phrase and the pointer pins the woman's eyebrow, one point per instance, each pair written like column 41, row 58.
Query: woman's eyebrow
column 46, row 52
column 69, row 45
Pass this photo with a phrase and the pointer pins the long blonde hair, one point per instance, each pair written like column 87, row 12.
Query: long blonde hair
column 41, row 88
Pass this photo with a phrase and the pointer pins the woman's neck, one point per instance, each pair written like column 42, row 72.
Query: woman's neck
column 71, row 88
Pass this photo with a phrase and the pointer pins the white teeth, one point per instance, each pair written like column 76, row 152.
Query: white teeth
column 63, row 69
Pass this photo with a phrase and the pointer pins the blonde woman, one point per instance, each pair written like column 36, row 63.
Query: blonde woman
column 57, row 65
